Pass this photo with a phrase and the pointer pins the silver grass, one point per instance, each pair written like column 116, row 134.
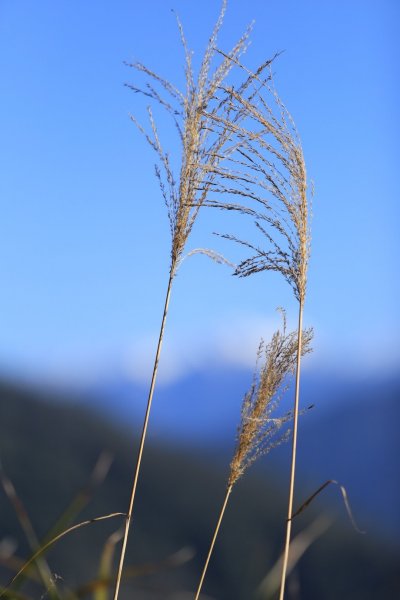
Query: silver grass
column 259, row 429
column 202, row 151
column 267, row 175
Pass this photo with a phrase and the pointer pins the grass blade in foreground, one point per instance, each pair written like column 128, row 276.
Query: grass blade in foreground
column 27, row 527
column 50, row 543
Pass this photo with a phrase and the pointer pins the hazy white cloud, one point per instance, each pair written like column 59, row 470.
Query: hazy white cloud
column 357, row 356
column 234, row 343
column 231, row 343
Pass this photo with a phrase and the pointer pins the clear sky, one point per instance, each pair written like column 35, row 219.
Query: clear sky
column 84, row 236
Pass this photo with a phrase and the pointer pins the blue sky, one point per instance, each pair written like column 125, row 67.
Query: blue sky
column 84, row 237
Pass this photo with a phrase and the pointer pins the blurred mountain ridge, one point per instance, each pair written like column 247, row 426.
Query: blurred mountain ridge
column 350, row 434
column 48, row 445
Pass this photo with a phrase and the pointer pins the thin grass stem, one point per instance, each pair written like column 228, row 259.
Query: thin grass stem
column 143, row 436
column 221, row 516
column 294, row 454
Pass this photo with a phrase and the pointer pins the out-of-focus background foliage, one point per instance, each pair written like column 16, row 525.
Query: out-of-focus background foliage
column 50, row 449
column 84, row 252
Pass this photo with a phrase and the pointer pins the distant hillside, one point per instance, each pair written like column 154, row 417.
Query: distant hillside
column 48, row 448
column 356, row 441
column 351, row 433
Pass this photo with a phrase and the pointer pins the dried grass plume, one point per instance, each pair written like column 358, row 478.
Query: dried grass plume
column 267, row 173
column 259, row 430
column 203, row 149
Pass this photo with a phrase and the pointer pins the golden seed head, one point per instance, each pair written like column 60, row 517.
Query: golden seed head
column 259, row 431
column 203, row 148
column 267, row 173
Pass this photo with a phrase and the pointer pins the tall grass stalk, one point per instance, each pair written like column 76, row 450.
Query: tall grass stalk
column 285, row 561
column 259, row 431
column 142, row 440
column 268, row 172
column 203, row 150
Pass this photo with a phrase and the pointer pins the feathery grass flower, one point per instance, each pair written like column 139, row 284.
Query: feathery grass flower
column 259, row 429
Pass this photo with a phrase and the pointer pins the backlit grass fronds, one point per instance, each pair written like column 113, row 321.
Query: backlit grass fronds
column 203, row 148
column 259, row 430
column 267, row 173
column 276, row 182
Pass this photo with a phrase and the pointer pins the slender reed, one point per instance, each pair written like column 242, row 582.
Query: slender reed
column 293, row 462
column 267, row 172
column 203, row 150
column 259, row 431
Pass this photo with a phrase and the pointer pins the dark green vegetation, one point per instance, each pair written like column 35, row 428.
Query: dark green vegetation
column 48, row 449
